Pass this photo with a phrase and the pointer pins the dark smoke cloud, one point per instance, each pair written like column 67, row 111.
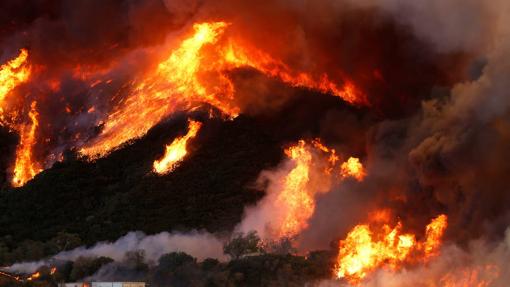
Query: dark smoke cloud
column 450, row 156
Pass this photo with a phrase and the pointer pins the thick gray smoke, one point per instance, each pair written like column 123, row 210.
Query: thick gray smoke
column 199, row 244
column 450, row 155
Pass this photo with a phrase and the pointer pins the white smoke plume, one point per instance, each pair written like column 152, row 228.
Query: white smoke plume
column 199, row 244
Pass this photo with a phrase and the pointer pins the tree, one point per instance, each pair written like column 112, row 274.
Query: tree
column 135, row 260
column 281, row 246
column 170, row 261
column 241, row 245
column 65, row 241
column 87, row 266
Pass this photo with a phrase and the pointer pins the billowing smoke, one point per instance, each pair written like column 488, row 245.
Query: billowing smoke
column 199, row 244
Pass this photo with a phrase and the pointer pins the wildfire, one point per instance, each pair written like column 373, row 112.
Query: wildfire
column 25, row 167
column 176, row 151
column 13, row 277
column 478, row 276
column 353, row 168
column 296, row 198
column 34, row 276
column 194, row 74
column 366, row 248
column 434, row 232
column 13, row 73
column 241, row 56
column 311, row 174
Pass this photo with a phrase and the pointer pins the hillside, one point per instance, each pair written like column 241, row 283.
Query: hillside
column 106, row 198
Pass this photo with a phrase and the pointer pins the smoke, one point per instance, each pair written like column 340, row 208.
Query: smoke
column 199, row 244
column 449, row 156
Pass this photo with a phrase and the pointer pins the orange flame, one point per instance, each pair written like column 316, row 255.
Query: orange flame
column 174, row 84
column 241, row 56
column 478, row 276
column 366, row 249
column 16, row 278
column 13, row 73
column 34, row 276
column 352, row 168
column 25, row 168
column 194, row 74
column 434, row 232
column 296, row 198
column 176, row 151
column 310, row 175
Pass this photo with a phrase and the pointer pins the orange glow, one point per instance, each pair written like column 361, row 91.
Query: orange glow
column 353, row 168
column 367, row 248
column 16, row 278
column 53, row 270
column 333, row 158
column 173, row 85
column 309, row 176
column 196, row 73
column 434, row 232
column 296, row 198
column 12, row 74
column 25, row 168
column 244, row 57
column 34, row 276
column 176, row 151
column 479, row 276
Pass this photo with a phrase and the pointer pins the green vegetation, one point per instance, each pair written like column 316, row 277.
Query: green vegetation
column 182, row 270
column 103, row 200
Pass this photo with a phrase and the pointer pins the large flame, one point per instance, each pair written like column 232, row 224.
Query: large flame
column 177, row 150
column 296, row 198
column 311, row 174
column 174, row 84
column 367, row 248
column 196, row 73
column 13, row 73
column 25, row 167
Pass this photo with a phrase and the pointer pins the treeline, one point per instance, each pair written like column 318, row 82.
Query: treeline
column 250, row 265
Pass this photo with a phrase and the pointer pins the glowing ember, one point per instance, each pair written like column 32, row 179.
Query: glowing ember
column 353, row 168
column 34, row 276
column 366, row 249
column 53, row 270
column 195, row 74
column 16, row 278
column 176, row 151
column 25, row 167
column 12, row 74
